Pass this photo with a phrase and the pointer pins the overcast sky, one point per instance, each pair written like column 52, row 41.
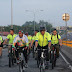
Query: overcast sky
column 52, row 11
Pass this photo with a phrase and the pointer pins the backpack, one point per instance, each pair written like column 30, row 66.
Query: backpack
column 57, row 36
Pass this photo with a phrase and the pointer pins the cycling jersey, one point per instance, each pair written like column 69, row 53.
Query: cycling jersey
column 11, row 38
column 21, row 42
column 43, row 39
column 29, row 39
column 55, row 40
column 34, row 38
column 1, row 39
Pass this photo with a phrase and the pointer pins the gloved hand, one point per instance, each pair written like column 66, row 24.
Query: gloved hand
column 49, row 49
column 26, row 47
column 13, row 49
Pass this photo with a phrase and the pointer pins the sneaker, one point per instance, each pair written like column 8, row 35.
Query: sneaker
column 26, row 65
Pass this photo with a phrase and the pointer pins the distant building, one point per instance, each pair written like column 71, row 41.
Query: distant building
column 4, row 33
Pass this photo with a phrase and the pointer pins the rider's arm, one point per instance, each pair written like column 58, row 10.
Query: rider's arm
column 60, row 40
column 1, row 40
column 26, row 39
column 32, row 43
column 14, row 42
column 8, row 37
column 36, row 41
column 49, row 40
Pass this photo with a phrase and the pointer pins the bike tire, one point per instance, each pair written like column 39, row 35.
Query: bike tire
column 55, row 62
column 42, row 70
column 9, row 61
column 12, row 61
column 21, row 67
column 37, row 63
column 52, row 60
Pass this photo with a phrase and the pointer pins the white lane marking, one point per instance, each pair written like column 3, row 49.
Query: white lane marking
column 66, row 61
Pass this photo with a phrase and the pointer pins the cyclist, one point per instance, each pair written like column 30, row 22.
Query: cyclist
column 10, row 37
column 1, row 45
column 34, row 37
column 56, row 40
column 43, row 40
column 29, row 41
column 33, row 43
column 21, row 41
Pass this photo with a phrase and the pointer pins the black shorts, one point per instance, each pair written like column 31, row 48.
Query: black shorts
column 1, row 45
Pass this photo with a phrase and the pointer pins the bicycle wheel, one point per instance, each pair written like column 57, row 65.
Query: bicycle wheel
column 37, row 63
column 10, row 61
column 21, row 67
column 33, row 51
column 52, row 60
column 42, row 69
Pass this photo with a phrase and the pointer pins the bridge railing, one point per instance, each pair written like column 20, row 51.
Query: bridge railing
column 67, row 43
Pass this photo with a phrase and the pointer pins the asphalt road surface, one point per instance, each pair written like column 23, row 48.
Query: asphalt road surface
column 32, row 67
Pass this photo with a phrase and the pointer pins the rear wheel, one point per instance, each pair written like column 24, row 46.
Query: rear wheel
column 37, row 63
column 21, row 67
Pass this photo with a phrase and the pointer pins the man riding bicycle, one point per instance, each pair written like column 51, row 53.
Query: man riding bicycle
column 10, row 38
column 43, row 40
column 29, row 41
column 1, row 45
column 21, row 41
column 34, row 37
column 56, row 40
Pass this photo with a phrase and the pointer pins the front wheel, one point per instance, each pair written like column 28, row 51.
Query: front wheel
column 42, row 70
column 21, row 67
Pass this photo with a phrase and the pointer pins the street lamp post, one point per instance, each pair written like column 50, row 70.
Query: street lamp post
column 11, row 13
column 66, row 17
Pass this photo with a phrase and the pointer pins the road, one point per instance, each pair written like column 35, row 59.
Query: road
column 32, row 67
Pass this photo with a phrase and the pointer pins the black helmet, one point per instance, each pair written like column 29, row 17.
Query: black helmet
column 42, row 28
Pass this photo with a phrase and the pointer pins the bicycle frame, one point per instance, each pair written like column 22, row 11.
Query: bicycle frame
column 53, row 56
column 42, row 60
column 21, row 63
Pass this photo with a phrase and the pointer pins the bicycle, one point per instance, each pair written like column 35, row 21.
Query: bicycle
column 42, row 64
column 37, row 58
column 53, row 56
column 21, row 61
column 11, row 56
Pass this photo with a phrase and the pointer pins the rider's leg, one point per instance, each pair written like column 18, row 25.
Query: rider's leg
column 25, row 55
column 0, row 51
column 17, row 54
column 39, row 53
column 9, row 48
column 57, row 49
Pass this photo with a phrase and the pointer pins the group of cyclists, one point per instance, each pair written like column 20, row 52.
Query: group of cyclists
column 41, row 40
